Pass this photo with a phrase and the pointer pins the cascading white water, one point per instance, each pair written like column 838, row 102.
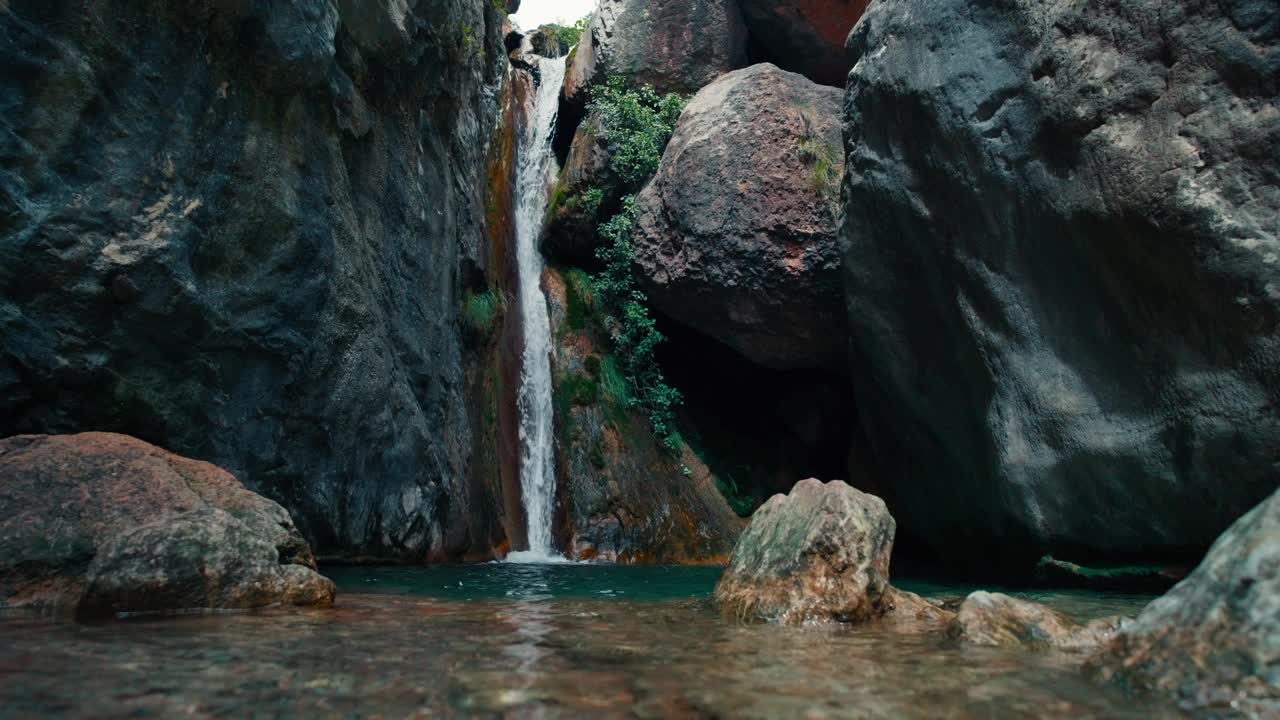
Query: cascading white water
column 537, row 439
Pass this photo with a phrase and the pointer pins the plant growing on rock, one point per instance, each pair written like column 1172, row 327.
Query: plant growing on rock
column 637, row 123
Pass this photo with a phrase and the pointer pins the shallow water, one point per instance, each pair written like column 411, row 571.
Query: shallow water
column 536, row 641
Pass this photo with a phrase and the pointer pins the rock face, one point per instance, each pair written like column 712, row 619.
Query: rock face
column 243, row 231
column 819, row 554
column 1061, row 263
column 104, row 523
column 736, row 235
column 572, row 220
column 994, row 619
column 1213, row 642
column 806, row 36
column 624, row 498
column 673, row 45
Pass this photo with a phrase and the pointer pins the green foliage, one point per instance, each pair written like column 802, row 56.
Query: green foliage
column 823, row 158
column 579, row 389
column 481, row 311
column 569, row 35
column 637, row 122
column 591, row 201
column 579, row 299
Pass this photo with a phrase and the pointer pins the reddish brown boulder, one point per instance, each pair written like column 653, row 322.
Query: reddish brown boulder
column 106, row 523
column 806, row 36
column 736, row 235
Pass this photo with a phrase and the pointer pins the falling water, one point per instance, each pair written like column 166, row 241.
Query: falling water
column 537, row 460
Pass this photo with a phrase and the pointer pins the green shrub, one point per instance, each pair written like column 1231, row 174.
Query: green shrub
column 636, row 122
column 580, row 390
column 569, row 35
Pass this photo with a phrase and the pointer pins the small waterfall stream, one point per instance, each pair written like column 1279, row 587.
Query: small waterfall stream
column 537, row 432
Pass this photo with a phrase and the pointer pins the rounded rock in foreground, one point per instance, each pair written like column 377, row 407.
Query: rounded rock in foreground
column 101, row 524
column 1213, row 642
column 819, row 554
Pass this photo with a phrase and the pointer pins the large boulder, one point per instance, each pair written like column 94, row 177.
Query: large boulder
column 994, row 619
column 806, row 36
column 736, row 235
column 244, row 230
column 1063, row 272
column 1213, row 642
column 819, row 554
column 102, row 523
column 673, row 45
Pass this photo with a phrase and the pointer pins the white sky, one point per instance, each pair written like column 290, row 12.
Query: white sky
column 537, row 12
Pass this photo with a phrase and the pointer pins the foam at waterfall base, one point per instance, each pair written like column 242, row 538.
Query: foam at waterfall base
column 530, row 557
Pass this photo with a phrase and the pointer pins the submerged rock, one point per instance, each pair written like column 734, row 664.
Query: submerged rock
column 102, row 523
column 1213, row 642
column 819, row 554
column 1060, row 252
column 806, row 36
column 736, row 235
column 986, row 618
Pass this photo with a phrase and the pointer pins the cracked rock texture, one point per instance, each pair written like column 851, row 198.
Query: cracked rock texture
column 1062, row 261
column 242, row 230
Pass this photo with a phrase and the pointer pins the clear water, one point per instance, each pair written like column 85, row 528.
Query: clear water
column 536, row 641
column 537, row 436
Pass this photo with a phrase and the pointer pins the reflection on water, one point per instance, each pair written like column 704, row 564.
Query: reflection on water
column 535, row 642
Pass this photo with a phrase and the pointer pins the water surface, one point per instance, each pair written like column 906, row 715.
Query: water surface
column 536, row 641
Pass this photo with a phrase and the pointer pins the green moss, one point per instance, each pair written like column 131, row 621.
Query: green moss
column 579, row 389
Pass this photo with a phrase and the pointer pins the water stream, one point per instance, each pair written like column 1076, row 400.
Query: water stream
column 537, row 432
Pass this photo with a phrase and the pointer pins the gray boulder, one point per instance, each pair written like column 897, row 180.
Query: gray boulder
column 819, row 554
column 1063, row 272
column 673, row 45
column 736, row 234
column 100, row 523
column 1213, row 642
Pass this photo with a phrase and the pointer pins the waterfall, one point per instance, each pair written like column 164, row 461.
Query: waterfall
column 534, row 177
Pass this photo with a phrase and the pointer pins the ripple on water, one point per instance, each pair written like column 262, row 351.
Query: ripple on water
column 536, row 641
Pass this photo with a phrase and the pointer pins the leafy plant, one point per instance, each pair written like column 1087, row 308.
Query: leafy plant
column 637, row 122
column 569, row 35
column 579, row 299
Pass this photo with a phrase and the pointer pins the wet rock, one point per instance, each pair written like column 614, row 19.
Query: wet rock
column 625, row 498
column 573, row 216
column 994, row 619
column 102, row 523
column 548, row 42
column 1060, row 242
column 806, row 36
column 1213, row 642
column 819, row 554
column 673, row 45
column 245, row 231
column 736, row 234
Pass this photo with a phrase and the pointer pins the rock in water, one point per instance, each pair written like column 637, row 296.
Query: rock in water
column 736, row 235
column 1213, row 642
column 819, row 554
column 103, row 523
column 994, row 619
column 806, row 36
column 1062, row 261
